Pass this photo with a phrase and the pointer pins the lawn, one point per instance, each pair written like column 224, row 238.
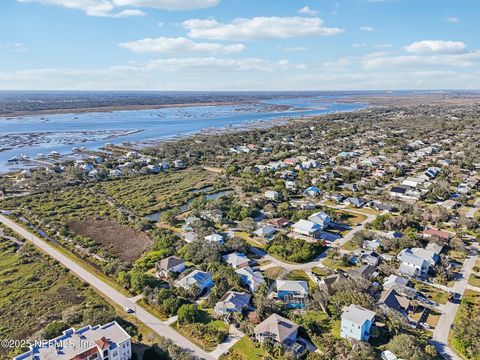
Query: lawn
column 249, row 240
column 350, row 246
column 245, row 349
column 431, row 292
column 207, row 332
column 321, row 271
column 274, row 272
column 35, row 290
column 474, row 279
column 354, row 219
column 336, row 264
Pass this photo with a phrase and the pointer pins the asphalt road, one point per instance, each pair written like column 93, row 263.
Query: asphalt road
column 440, row 334
column 157, row 325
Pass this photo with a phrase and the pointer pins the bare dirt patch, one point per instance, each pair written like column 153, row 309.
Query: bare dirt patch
column 125, row 242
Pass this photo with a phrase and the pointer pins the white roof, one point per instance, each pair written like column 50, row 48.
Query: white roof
column 357, row 314
column 306, row 225
column 214, row 237
column 78, row 342
column 292, row 285
column 236, row 259
column 394, row 280
column 319, row 218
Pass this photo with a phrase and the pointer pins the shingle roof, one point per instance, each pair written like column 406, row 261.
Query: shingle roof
column 357, row 314
column 277, row 327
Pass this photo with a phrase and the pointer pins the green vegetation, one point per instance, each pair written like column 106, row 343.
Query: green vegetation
column 245, row 349
column 300, row 275
column 199, row 325
column 431, row 292
column 465, row 335
column 37, row 295
column 146, row 194
column 294, row 250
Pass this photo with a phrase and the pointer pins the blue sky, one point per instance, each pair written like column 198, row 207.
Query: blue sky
column 239, row 44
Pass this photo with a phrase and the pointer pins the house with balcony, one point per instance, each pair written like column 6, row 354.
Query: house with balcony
column 292, row 293
column 107, row 342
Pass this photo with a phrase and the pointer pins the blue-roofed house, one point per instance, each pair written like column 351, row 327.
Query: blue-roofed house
column 294, row 293
column 201, row 279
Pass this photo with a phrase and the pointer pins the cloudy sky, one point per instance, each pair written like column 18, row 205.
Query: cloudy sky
column 239, row 44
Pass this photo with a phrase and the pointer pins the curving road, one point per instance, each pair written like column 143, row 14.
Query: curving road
column 157, row 325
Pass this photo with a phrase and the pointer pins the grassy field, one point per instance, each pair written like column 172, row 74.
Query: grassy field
column 336, row 264
column 273, row 273
column 431, row 292
column 35, row 290
column 245, row 349
column 203, row 331
column 474, row 279
column 146, row 194
column 470, row 306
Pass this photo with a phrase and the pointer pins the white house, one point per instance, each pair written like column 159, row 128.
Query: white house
column 109, row 341
column 412, row 265
column 272, row 195
column 265, row 232
column 307, row 228
column 236, row 259
column 321, row 219
column 254, row 279
column 356, row 323
column 217, row 238
column 200, row 279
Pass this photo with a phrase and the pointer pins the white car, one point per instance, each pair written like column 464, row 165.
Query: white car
column 128, row 310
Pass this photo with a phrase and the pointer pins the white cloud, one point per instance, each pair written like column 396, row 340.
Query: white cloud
column 453, row 19
column 175, row 5
column 359, row 45
column 382, row 46
column 293, row 48
column 179, row 45
column 14, row 47
column 366, row 28
column 307, row 11
column 435, row 46
column 258, row 28
column 463, row 60
column 113, row 8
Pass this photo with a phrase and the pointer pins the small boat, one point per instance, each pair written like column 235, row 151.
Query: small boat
column 14, row 159
column 53, row 154
column 39, row 156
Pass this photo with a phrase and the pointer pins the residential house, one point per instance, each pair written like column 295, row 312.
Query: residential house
column 356, row 322
column 388, row 355
column 365, row 271
column 236, row 259
column 395, row 282
column 292, row 292
column 279, row 223
column 326, row 283
column 199, row 279
column 272, row 195
column 179, row 164
column 254, row 279
column 291, row 185
column 312, row 191
column 171, row 264
column 435, row 233
column 373, row 245
column 411, row 264
column 278, row 329
column 307, row 228
column 265, row 232
column 391, row 299
column 232, row 302
column 189, row 237
column 355, row 201
column 215, row 238
column 109, row 341
column 321, row 219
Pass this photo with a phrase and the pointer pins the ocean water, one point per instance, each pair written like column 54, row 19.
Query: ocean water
column 41, row 134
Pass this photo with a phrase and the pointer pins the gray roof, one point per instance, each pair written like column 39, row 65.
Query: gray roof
column 233, row 301
column 170, row 262
column 394, row 300
column 306, row 225
column 277, row 327
column 357, row 314
column 292, row 285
